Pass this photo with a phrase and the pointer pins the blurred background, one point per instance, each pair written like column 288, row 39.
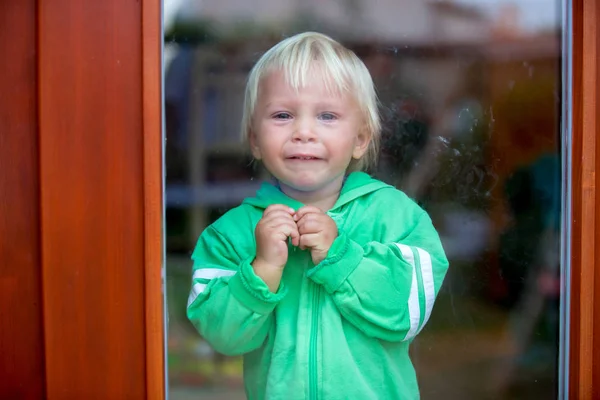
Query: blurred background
column 471, row 97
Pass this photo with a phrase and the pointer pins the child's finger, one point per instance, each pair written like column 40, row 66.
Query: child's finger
column 309, row 240
column 295, row 236
column 309, row 223
column 307, row 210
column 278, row 207
column 277, row 214
column 277, row 224
column 289, row 230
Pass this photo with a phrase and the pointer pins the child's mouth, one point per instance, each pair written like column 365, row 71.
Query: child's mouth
column 303, row 158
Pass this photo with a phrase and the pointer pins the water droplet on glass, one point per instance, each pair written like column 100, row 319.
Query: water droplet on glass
column 444, row 140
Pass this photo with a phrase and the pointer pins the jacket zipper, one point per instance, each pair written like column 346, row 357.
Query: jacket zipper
column 314, row 330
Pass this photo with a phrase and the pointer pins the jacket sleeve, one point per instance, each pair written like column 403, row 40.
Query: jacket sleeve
column 229, row 305
column 386, row 290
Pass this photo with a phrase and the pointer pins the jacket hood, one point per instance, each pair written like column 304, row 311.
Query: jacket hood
column 357, row 184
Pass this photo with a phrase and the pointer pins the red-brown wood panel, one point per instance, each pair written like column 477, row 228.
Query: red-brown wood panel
column 584, row 366
column 92, row 198
column 153, row 194
column 21, row 332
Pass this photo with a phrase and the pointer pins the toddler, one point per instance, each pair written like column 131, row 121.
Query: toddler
column 322, row 280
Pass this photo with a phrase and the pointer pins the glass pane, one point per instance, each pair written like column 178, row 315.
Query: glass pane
column 470, row 96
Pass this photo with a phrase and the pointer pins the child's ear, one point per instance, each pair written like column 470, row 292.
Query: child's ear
column 363, row 139
column 254, row 147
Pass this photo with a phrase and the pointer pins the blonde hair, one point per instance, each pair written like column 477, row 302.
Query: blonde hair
column 296, row 57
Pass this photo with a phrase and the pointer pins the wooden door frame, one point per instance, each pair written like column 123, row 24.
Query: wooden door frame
column 152, row 46
column 21, row 320
column 584, row 220
column 100, row 163
column 50, row 270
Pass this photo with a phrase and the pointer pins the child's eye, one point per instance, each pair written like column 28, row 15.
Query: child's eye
column 327, row 117
column 282, row 115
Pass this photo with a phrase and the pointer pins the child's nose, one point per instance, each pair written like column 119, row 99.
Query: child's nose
column 304, row 135
column 304, row 132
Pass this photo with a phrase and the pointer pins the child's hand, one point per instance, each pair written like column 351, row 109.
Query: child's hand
column 272, row 232
column 317, row 232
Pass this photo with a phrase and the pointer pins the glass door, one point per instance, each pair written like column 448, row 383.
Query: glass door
column 471, row 98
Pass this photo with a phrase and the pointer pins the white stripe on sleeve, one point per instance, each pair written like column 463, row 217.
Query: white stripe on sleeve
column 206, row 273
column 211, row 273
column 196, row 290
column 414, row 309
column 428, row 284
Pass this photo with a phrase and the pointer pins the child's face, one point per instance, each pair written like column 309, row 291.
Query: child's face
column 306, row 138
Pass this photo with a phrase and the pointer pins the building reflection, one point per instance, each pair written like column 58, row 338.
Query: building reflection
column 471, row 104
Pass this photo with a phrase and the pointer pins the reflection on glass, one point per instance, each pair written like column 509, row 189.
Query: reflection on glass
column 470, row 94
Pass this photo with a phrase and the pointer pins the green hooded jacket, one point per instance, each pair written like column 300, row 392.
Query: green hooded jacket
column 337, row 330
